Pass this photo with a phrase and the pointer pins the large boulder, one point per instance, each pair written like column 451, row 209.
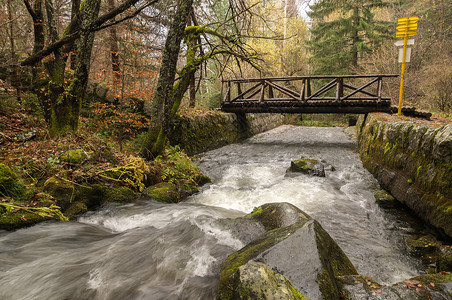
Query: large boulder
column 295, row 246
column 307, row 166
column 165, row 192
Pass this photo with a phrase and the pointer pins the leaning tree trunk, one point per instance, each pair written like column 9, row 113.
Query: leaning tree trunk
column 66, row 111
column 163, row 100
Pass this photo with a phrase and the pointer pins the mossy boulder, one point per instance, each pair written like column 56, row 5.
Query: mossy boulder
column 295, row 245
column 386, row 200
column 307, row 166
column 76, row 208
column 74, row 157
column 257, row 281
column 63, row 191
column 120, row 194
column 166, row 192
column 9, row 183
column 11, row 221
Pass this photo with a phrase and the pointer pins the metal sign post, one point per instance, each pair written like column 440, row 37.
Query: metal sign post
column 406, row 28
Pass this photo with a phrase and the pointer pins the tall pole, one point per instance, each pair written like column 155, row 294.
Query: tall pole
column 402, row 75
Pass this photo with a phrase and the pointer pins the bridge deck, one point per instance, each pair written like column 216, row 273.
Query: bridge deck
column 274, row 97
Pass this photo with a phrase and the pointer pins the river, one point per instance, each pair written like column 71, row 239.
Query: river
column 148, row 250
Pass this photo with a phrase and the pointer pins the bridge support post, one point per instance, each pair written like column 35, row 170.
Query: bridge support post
column 243, row 125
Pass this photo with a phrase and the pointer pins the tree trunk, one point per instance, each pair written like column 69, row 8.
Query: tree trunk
column 114, row 50
column 163, row 100
column 14, row 75
column 76, row 91
column 355, row 39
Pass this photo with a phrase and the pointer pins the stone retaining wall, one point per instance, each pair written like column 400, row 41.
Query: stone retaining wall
column 205, row 132
column 412, row 160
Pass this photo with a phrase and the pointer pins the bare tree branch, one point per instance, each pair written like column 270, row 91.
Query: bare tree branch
column 96, row 25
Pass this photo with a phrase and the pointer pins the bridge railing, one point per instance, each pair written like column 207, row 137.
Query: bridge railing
column 300, row 88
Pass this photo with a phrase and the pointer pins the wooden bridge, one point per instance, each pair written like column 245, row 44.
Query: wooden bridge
column 341, row 94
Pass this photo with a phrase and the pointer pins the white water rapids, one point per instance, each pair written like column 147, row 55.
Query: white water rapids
column 148, row 250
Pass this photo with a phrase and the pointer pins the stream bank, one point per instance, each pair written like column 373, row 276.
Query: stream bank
column 411, row 159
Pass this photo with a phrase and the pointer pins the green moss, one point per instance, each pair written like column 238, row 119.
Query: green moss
column 76, row 208
column 166, row 192
column 119, row 194
column 418, row 172
column 297, row 294
column 11, row 221
column 442, row 277
column 9, row 183
column 256, row 211
column 74, row 157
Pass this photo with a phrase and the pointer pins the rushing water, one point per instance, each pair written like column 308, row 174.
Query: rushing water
column 148, row 250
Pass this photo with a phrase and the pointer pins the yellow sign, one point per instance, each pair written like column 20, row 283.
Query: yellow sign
column 406, row 28
column 411, row 26
column 405, row 33
column 408, row 19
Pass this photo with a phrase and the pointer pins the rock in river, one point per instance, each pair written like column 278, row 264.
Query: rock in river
column 295, row 246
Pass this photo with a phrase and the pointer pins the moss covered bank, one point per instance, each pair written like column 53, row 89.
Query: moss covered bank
column 413, row 161
column 196, row 133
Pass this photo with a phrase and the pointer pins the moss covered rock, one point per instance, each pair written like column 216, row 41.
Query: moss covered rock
column 386, row 200
column 74, row 157
column 120, row 194
column 163, row 192
column 300, row 249
column 257, row 281
column 62, row 190
column 9, row 183
column 11, row 221
column 307, row 166
column 76, row 208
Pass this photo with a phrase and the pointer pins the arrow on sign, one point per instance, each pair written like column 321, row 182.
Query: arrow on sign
column 411, row 26
column 406, row 33
column 408, row 20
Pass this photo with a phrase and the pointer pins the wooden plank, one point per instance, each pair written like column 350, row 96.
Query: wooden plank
column 302, row 91
column 323, row 89
column 339, row 88
column 284, row 90
column 355, row 88
column 292, row 78
column 261, row 97
column 360, row 89
column 227, row 97
column 245, row 92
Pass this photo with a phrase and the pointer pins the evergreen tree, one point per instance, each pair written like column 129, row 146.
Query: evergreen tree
column 342, row 32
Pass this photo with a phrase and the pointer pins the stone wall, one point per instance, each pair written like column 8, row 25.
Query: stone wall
column 412, row 160
column 200, row 133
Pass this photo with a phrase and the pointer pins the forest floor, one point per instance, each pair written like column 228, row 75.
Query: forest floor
column 42, row 176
